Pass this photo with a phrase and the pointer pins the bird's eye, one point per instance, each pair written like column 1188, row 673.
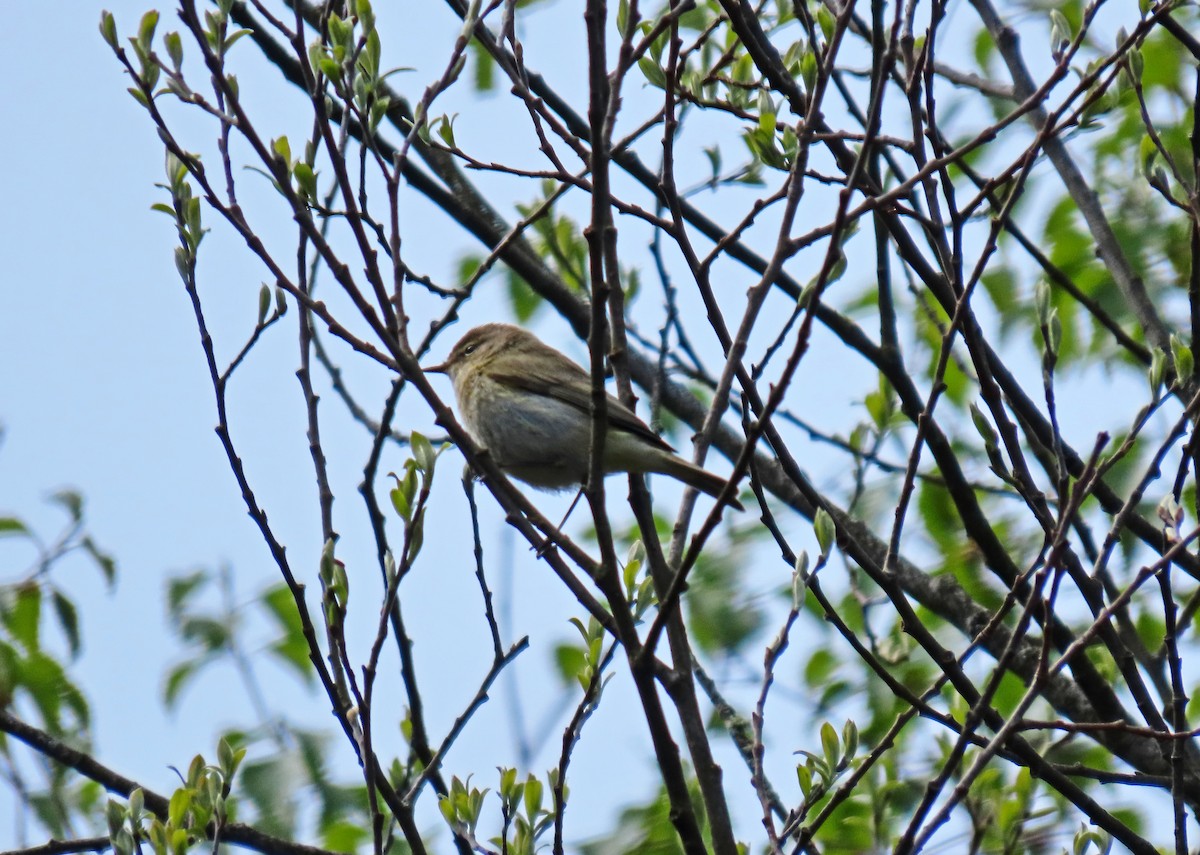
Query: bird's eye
column 469, row 349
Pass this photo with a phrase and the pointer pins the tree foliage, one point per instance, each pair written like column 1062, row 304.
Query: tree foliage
column 966, row 221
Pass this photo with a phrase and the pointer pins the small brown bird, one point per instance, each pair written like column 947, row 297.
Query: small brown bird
column 530, row 406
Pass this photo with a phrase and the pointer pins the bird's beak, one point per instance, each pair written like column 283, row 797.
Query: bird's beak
column 442, row 368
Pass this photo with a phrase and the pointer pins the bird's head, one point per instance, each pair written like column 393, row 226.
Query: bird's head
column 482, row 345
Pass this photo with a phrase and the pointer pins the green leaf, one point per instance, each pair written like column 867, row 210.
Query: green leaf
column 340, row 586
column 653, row 72
column 10, row 666
column 578, row 624
column 418, row 535
column 122, row 842
column 329, row 67
column 344, row 835
column 423, row 452
column 821, row 667
column 290, row 648
column 306, row 181
column 72, row 501
column 317, row 54
column 533, row 797
column 365, row 14
column 826, row 21
column 178, row 678
column 800, row 580
column 850, row 739
column 379, row 109
column 720, row 614
column 48, row 686
column 174, row 45
column 1054, row 333
column 1060, row 32
column 283, row 150
column 181, row 589
column 180, row 841
column 825, row 530
column 114, row 816
column 456, row 69
column 445, row 130
column 1147, row 153
column 804, row 779
column 791, row 56
column 809, row 68
column 830, row 746
column 211, row 634
column 1184, row 362
column 630, row 571
column 522, row 299
column 108, row 29
column 713, row 153
column 229, row 757
column 23, row 617
column 12, row 526
column 1041, row 300
column 146, row 27
column 878, row 404
column 508, row 783
column 68, row 620
column 137, row 803
column 485, row 67
column 177, row 810
column 984, row 427
column 570, row 661
column 264, row 303
column 233, row 38
column 196, row 772
column 328, row 561
column 766, row 113
column 401, row 501
column 1157, row 371
column 340, row 32
column 158, row 837
column 106, row 563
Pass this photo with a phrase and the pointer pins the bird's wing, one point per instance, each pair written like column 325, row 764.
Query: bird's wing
column 578, row 396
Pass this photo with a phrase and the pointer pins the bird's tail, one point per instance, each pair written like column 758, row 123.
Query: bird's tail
column 694, row 476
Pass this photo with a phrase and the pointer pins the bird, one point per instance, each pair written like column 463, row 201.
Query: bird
column 530, row 407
